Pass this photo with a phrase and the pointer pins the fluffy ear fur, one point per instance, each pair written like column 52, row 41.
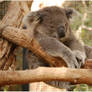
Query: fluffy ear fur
column 69, row 12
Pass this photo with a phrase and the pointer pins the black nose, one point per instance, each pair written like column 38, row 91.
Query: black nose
column 61, row 32
column 24, row 27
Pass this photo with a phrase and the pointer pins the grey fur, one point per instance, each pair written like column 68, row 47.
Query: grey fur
column 44, row 25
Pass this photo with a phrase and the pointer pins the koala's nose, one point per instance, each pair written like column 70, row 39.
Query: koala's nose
column 61, row 32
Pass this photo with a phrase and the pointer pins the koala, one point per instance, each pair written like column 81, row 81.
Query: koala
column 50, row 27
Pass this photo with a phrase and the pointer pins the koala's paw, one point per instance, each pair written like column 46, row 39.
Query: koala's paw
column 73, row 64
column 80, row 57
column 80, row 60
column 76, row 64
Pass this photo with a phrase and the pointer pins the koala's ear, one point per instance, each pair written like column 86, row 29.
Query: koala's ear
column 69, row 12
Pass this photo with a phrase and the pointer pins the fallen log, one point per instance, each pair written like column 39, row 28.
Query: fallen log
column 45, row 74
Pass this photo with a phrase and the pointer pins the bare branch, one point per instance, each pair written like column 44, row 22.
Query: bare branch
column 45, row 74
column 22, row 38
column 87, row 28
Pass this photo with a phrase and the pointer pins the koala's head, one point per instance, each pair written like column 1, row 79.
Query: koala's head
column 54, row 21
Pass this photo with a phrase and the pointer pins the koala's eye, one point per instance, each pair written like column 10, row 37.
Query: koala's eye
column 61, row 31
column 24, row 27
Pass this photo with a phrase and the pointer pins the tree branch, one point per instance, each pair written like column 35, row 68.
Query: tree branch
column 87, row 28
column 22, row 38
column 45, row 74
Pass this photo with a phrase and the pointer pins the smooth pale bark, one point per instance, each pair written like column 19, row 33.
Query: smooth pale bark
column 46, row 74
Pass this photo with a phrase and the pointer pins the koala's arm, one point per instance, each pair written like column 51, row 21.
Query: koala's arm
column 57, row 49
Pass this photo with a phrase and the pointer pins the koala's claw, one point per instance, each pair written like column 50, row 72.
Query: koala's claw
column 73, row 64
column 80, row 58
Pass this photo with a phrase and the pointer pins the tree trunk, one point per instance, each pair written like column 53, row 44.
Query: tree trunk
column 7, row 56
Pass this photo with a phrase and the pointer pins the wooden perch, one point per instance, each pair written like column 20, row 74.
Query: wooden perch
column 45, row 74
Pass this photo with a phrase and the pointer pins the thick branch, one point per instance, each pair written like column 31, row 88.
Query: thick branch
column 45, row 74
column 22, row 38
